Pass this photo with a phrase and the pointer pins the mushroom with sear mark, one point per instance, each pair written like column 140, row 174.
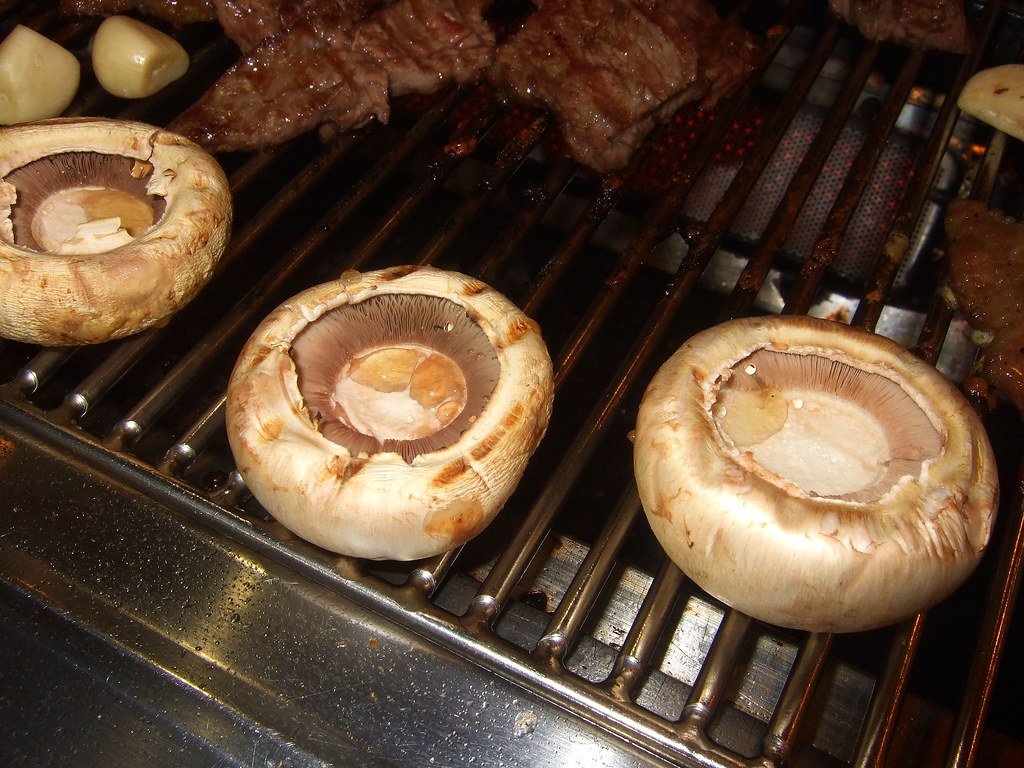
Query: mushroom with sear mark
column 813, row 475
column 106, row 228
column 389, row 414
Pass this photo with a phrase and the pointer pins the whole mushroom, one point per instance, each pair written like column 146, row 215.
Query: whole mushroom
column 389, row 414
column 813, row 475
column 106, row 228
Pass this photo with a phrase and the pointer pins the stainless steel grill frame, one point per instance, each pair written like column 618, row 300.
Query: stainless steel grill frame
column 561, row 636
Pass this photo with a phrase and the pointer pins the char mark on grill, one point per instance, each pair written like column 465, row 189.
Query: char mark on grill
column 177, row 12
column 610, row 70
column 327, row 70
column 927, row 24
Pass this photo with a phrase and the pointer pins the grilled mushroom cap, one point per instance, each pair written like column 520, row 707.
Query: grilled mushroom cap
column 813, row 475
column 106, row 228
column 389, row 414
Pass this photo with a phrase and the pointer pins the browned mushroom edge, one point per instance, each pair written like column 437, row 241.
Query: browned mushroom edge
column 813, row 475
column 389, row 414
column 106, row 228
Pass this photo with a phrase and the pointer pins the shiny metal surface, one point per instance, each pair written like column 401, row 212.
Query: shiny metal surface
column 185, row 648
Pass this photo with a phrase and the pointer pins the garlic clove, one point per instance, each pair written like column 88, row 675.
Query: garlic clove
column 996, row 96
column 38, row 77
column 133, row 60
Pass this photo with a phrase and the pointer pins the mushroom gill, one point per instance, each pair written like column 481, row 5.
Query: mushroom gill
column 81, row 202
column 403, row 373
column 823, row 425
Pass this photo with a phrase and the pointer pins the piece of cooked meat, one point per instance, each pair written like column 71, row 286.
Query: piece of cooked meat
column 927, row 24
column 1004, row 364
column 986, row 264
column 339, row 74
column 424, row 44
column 288, row 84
column 986, row 274
column 177, row 12
column 248, row 22
column 610, row 70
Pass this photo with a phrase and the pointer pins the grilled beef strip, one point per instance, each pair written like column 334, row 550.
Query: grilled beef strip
column 245, row 22
column 986, row 274
column 929, row 24
column 327, row 70
column 177, row 12
column 610, row 70
column 424, row 44
column 287, row 85
column 248, row 22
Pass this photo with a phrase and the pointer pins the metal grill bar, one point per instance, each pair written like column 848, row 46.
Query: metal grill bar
column 751, row 280
column 965, row 738
column 898, row 242
column 511, row 155
column 587, row 223
column 878, row 729
column 525, row 222
column 436, row 171
column 41, row 367
column 796, row 698
column 642, row 641
column 827, row 245
column 102, row 378
column 656, row 223
column 581, row 596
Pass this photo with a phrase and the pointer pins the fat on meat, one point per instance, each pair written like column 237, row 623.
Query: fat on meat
column 927, row 24
column 610, row 70
column 340, row 74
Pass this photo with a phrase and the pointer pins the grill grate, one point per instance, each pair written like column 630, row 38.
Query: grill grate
column 567, row 594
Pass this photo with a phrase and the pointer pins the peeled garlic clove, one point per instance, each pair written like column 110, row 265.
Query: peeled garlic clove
column 389, row 414
column 813, row 475
column 996, row 96
column 107, row 227
column 38, row 78
column 133, row 60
